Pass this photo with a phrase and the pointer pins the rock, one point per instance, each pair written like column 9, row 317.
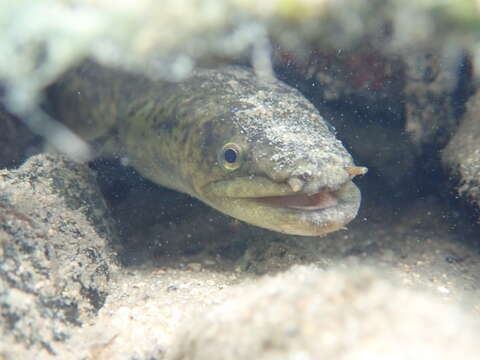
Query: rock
column 462, row 155
column 436, row 88
column 55, row 263
column 307, row 314
column 366, row 73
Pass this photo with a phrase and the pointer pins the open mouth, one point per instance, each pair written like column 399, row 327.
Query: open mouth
column 317, row 201
column 275, row 207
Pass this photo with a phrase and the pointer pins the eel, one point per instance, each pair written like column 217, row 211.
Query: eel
column 252, row 148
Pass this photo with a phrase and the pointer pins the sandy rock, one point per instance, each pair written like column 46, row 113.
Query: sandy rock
column 55, row 262
column 462, row 155
column 310, row 314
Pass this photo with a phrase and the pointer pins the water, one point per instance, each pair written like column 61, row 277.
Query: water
column 134, row 262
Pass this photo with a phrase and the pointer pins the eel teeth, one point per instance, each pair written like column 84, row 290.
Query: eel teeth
column 296, row 184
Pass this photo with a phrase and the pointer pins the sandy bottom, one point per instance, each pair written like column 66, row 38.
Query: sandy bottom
column 183, row 258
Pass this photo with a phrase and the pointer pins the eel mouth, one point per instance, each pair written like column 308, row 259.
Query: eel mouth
column 305, row 202
column 314, row 214
column 275, row 207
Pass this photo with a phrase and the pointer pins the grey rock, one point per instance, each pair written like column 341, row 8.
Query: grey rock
column 54, row 256
column 435, row 87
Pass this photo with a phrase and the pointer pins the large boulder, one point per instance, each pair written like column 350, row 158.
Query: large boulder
column 55, row 261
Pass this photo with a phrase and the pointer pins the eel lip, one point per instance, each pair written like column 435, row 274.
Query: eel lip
column 309, row 202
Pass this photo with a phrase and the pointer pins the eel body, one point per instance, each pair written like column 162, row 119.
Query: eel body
column 254, row 149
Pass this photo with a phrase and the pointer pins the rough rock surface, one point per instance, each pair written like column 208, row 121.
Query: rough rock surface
column 462, row 155
column 436, row 87
column 54, row 258
column 311, row 314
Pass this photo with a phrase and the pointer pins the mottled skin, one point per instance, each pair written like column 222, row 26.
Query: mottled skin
column 175, row 135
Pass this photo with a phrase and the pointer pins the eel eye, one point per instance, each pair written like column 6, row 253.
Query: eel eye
column 231, row 156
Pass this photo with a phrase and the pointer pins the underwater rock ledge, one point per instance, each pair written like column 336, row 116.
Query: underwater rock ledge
column 55, row 262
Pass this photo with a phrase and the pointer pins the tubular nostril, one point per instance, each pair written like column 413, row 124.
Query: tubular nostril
column 306, row 176
column 296, row 184
column 356, row 170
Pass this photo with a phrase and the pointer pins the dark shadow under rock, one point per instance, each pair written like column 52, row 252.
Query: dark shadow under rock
column 16, row 140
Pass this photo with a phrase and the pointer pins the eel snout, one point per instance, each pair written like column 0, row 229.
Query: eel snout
column 322, row 199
